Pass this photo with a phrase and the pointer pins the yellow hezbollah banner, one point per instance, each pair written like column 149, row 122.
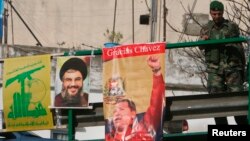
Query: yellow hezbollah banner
column 26, row 93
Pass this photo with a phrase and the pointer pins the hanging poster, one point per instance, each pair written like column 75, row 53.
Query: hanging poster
column 72, row 82
column 134, row 92
column 26, row 93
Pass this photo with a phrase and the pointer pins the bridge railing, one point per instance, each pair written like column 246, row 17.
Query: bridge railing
column 179, row 107
column 182, row 107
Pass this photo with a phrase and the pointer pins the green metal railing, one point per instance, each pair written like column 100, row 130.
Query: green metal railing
column 168, row 46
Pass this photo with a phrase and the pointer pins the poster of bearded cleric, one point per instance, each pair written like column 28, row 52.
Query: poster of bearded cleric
column 134, row 91
column 72, row 82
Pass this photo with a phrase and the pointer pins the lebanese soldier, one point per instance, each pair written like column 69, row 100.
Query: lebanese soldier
column 225, row 63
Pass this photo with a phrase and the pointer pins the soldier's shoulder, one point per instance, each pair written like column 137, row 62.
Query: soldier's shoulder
column 230, row 23
column 209, row 24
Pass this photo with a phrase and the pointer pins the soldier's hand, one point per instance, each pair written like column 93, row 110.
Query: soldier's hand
column 204, row 37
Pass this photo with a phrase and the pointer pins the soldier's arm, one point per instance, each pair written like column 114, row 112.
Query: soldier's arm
column 203, row 36
column 234, row 30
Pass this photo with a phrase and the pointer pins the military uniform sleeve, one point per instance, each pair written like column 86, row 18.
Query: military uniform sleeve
column 205, row 31
column 233, row 30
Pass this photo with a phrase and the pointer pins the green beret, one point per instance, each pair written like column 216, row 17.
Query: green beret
column 76, row 64
column 217, row 6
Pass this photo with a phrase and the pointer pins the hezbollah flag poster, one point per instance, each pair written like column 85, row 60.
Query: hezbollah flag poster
column 134, row 91
column 26, row 93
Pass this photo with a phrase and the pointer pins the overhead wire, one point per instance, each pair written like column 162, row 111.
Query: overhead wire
column 19, row 6
column 12, row 24
column 186, row 23
column 42, row 35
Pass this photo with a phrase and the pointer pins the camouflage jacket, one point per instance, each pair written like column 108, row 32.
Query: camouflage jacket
column 232, row 54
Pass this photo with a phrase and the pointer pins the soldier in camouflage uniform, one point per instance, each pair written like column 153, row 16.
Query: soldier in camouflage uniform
column 225, row 62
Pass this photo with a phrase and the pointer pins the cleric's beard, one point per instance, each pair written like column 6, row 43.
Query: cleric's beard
column 74, row 100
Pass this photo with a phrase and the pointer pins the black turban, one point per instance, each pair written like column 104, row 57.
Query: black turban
column 75, row 64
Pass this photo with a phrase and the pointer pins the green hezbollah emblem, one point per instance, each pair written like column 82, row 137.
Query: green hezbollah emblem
column 22, row 99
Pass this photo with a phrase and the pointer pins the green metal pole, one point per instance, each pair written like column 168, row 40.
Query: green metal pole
column 84, row 52
column 205, row 42
column 70, row 125
column 169, row 45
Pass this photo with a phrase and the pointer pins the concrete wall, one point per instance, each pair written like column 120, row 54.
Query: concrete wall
column 72, row 23
column 77, row 22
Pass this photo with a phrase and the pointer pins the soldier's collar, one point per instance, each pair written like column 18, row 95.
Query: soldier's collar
column 223, row 23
